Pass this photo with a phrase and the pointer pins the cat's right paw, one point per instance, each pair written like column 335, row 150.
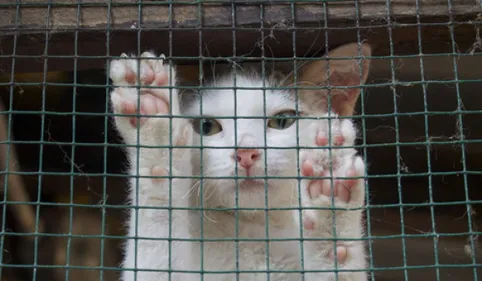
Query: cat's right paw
column 146, row 110
column 140, row 90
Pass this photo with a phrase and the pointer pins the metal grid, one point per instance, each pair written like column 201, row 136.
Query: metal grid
column 15, row 55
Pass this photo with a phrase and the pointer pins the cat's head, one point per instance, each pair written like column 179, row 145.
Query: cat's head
column 264, row 120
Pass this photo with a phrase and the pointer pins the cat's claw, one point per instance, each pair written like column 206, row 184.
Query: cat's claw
column 341, row 253
column 131, row 96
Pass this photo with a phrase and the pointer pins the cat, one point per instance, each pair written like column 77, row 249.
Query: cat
column 212, row 227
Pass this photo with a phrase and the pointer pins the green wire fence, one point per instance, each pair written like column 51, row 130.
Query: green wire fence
column 64, row 166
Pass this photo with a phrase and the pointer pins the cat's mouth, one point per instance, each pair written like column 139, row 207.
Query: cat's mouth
column 251, row 183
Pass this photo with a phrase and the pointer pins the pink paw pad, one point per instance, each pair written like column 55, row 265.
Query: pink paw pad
column 161, row 79
column 148, row 78
column 316, row 187
column 322, row 139
column 339, row 140
column 152, row 105
column 309, row 224
column 130, row 108
column 342, row 187
column 149, row 105
column 307, row 169
column 130, row 76
column 341, row 254
column 182, row 139
column 159, row 173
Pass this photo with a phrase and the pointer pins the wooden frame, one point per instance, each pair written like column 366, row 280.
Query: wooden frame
column 81, row 36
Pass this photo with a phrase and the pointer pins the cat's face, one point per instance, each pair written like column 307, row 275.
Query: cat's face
column 260, row 145
column 229, row 143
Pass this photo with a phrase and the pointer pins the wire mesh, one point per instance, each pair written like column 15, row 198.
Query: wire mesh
column 64, row 164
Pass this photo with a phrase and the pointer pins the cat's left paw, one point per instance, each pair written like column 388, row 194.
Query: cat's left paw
column 336, row 181
column 338, row 173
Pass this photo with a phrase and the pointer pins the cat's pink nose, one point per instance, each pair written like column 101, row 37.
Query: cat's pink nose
column 246, row 157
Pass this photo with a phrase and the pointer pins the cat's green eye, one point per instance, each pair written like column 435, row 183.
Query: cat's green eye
column 206, row 127
column 283, row 120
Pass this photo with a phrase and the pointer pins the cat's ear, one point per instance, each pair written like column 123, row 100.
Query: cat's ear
column 342, row 68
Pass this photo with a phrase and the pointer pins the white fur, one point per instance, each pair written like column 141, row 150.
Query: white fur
column 224, row 254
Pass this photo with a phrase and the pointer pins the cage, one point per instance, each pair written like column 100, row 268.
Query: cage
column 64, row 185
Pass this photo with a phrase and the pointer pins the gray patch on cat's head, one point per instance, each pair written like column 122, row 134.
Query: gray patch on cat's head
column 246, row 76
column 187, row 97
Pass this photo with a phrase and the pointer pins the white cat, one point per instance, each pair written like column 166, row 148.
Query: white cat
column 182, row 228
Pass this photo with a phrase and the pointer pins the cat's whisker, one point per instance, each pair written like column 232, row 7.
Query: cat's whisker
column 194, row 186
column 207, row 188
column 206, row 215
column 212, row 188
column 205, row 198
column 206, row 212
